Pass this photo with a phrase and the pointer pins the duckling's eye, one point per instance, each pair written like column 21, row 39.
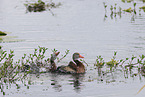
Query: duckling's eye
column 53, row 56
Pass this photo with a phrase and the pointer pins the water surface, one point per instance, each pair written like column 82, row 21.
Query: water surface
column 77, row 25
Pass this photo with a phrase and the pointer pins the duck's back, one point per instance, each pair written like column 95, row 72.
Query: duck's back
column 65, row 69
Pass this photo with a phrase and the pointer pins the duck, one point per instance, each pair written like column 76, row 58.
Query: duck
column 74, row 67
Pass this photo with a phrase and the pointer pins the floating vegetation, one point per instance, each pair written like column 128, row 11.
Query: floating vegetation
column 2, row 33
column 40, row 6
column 130, row 10
column 143, row 8
column 128, row 1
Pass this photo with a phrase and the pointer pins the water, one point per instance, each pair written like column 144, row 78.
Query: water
column 77, row 25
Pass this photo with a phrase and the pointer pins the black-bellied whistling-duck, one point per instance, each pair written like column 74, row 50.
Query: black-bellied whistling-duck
column 73, row 67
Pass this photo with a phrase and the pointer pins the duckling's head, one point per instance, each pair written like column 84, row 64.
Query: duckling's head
column 54, row 55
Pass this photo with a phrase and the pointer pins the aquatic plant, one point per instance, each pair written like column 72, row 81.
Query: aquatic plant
column 143, row 8
column 128, row 10
column 113, row 62
column 40, row 6
column 9, row 71
column 99, row 62
column 63, row 56
column 105, row 6
column 131, row 10
column 113, row 11
column 128, row 1
column 33, row 62
column 127, row 65
column 12, row 72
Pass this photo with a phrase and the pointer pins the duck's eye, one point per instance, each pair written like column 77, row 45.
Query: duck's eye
column 77, row 55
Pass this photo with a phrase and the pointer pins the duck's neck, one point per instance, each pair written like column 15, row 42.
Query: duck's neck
column 53, row 65
column 78, row 63
column 80, row 66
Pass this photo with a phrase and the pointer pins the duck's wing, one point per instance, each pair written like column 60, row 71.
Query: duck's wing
column 65, row 69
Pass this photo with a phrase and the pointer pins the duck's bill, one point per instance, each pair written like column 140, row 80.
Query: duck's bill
column 81, row 56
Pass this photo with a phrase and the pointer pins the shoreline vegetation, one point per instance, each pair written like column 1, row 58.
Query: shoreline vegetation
column 12, row 72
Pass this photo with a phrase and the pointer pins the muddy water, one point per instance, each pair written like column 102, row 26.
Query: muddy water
column 77, row 25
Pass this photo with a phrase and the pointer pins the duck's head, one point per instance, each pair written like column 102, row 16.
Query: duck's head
column 76, row 56
column 54, row 55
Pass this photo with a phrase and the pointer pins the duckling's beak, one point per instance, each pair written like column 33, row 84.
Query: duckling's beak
column 57, row 53
column 81, row 56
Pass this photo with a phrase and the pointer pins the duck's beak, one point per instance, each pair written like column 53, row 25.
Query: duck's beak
column 81, row 56
column 57, row 53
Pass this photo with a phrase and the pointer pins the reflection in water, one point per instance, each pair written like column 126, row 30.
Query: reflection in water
column 76, row 81
column 118, row 11
column 55, row 82
column 119, row 74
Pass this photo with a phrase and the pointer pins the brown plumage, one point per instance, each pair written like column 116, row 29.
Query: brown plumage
column 73, row 67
